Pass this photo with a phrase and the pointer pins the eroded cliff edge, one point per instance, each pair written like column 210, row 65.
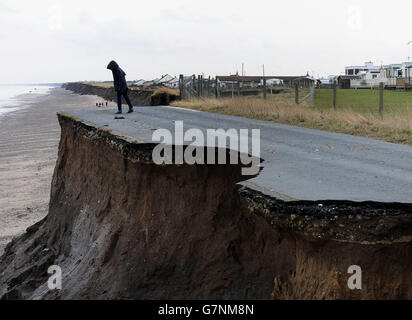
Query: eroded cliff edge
column 148, row 97
column 121, row 227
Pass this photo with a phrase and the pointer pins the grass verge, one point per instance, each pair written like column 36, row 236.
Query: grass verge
column 358, row 116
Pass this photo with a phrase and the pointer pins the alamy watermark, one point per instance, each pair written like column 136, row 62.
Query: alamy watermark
column 55, row 280
column 173, row 148
column 354, row 18
column 355, row 280
column 55, row 18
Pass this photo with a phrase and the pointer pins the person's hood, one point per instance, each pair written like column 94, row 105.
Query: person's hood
column 112, row 65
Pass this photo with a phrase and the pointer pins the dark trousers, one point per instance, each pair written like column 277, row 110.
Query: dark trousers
column 119, row 100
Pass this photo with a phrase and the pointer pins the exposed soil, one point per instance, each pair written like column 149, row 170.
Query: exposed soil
column 340, row 220
column 121, row 227
column 330, row 236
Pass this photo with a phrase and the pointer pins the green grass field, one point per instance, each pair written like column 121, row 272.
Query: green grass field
column 366, row 101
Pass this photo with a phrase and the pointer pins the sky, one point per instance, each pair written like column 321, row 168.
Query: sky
column 59, row 41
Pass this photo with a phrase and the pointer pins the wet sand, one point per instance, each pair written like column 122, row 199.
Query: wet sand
column 29, row 141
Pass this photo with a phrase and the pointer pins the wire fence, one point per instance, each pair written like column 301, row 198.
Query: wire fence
column 302, row 90
column 206, row 87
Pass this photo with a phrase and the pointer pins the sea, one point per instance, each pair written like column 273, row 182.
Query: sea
column 9, row 95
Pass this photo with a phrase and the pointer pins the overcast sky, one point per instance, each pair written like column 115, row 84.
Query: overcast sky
column 57, row 41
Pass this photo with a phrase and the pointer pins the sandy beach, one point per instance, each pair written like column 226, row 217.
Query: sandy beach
column 29, row 140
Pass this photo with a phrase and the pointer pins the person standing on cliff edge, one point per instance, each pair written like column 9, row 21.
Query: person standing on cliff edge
column 120, row 86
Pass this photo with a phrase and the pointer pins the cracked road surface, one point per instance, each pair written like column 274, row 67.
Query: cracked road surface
column 300, row 163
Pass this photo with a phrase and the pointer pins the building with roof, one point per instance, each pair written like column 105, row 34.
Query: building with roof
column 368, row 67
column 344, row 82
column 396, row 75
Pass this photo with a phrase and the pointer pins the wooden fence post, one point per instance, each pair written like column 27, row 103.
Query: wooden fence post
column 216, row 88
column 193, row 83
column 264, row 88
column 199, row 88
column 181, row 86
column 208, row 87
column 238, row 88
column 312, row 95
column 297, row 92
column 381, row 87
column 334, row 94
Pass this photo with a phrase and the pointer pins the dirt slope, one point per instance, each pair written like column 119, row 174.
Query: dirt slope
column 121, row 227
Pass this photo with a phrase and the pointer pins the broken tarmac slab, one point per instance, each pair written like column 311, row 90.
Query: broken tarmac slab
column 366, row 222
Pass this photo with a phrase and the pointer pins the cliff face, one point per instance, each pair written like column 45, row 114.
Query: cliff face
column 121, row 227
column 137, row 97
column 321, row 271
column 330, row 236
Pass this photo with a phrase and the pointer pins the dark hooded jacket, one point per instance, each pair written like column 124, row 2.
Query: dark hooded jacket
column 119, row 78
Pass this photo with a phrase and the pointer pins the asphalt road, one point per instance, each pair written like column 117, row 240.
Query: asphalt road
column 300, row 163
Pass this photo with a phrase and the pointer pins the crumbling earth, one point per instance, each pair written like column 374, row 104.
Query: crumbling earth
column 121, row 227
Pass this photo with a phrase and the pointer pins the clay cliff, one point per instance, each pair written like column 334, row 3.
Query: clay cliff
column 121, row 227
